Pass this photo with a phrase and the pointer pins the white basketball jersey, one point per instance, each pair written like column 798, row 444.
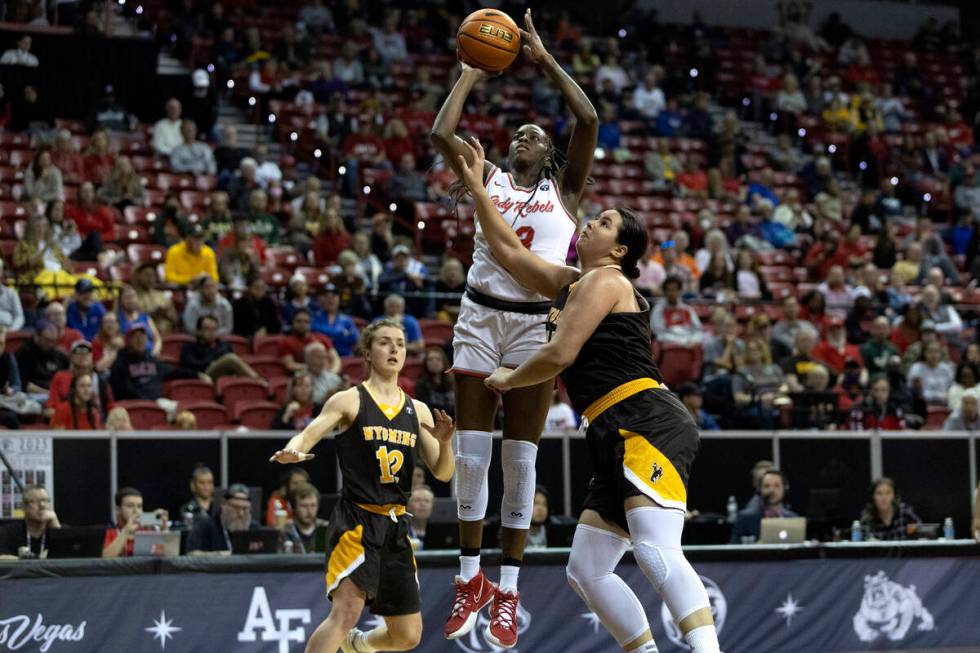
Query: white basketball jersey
column 544, row 226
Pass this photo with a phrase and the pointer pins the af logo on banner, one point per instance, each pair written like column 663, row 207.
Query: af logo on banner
column 889, row 609
column 719, row 610
column 260, row 626
column 476, row 642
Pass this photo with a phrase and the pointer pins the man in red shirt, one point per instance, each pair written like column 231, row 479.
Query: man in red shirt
column 241, row 229
column 835, row 351
column 81, row 363
column 55, row 313
column 88, row 215
column 118, row 542
column 292, row 345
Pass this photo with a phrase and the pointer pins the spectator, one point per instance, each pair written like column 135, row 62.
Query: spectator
column 388, row 41
column 118, row 420
column 407, row 185
column 436, row 386
column 967, row 418
column 394, row 309
column 82, row 411
column 420, row 508
column 661, row 166
column 560, row 417
column 42, row 180
column 229, row 155
column 205, row 300
column 218, row 222
column 674, row 322
column 946, row 318
column 724, row 348
column 36, row 252
column 328, row 320
column 255, row 313
column 368, row 261
column 89, row 215
column 157, row 303
column 201, row 505
column 760, row 387
column 289, row 482
column 648, row 98
column 317, row 18
column 185, row 421
column 365, row 149
column 264, row 224
column 785, row 330
column 292, row 346
column 876, row 351
column 118, row 542
column 202, row 104
column 297, row 297
column 452, row 281
column 243, row 184
column 31, row 532
column 110, row 114
column 966, row 379
column 268, row 173
column 64, row 234
column 886, row 516
column 908, row 329
column 934, row 256
column 138, row 374
column 748, row 280
column 128, row 311
column 123, row 187
column 798, row 366
column 190, row 259
column 30, row 114
column 56, row 315
column 926, row 334
column 66, row 157
column 213, row 535
column 879, row 410
column 11, row 310
column 166, row 131
column 331, row 239
column 81, row 364
column 99, row 158
column 404, row 275
column 325, row 381
column 107, row 343
column 838, row 295
column 306, row 220
column 792, row 214
column 10, row 383
column 967, row 193
column 305, row 501
column 84, row 313
column 834, row 350
column 932, row 375
column 208, row 355
column 21, row 55
column 299, row 410
column 171, row 224
column 772, row 490
column 693, row 399
column 192, row 155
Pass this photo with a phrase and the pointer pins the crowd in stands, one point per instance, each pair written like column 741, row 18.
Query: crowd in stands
column 811, row 196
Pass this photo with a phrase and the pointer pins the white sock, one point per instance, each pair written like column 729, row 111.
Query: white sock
column 469, row 566
column 649, row 647
column 361, row 643
column 703, row 639
column 508, row 578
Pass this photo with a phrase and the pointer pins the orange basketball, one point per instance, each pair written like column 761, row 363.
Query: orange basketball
column 488, row 39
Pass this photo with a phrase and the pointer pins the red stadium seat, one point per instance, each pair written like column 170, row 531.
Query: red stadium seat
column 266, row 345
column 315, row 277
column 277, row 388
column 266, row 366
column 189, row 390
column 139, row 215
column 407, row 384
column 239, row 344
column 256, row 415
column 275, row 278
column 194, row 199
column 144, row 414
column 138, row 253
column 936, row 417
column 233, row 389
column 285, row 258
column 679, row 364
column 436, row 332
column 208, row 413
column 174, row 342
column 17, row 338
column 353, row 367
column 412, row 368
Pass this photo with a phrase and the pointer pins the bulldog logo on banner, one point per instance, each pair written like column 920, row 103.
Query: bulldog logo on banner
column 889, row 609
column 475, row 642
column 719, row 610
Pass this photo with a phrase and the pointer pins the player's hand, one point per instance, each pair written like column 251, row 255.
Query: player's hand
column 472, row 169
column 499, row 380
column 443, row 428
column 478, row 74
column 287, row 456
column 533, row 47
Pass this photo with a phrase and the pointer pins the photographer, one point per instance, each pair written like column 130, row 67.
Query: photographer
column 118, row 541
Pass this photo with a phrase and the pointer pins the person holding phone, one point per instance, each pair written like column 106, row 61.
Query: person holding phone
column 130, row 518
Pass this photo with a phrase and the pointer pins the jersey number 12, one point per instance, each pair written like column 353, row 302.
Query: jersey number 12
column 390, row 462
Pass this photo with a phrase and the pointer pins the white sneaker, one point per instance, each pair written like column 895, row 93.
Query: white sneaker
column 349, row 645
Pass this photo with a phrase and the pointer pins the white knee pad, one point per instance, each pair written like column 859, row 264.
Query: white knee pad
column 473, row 451
column 517, row 458
column 656, row 535
column 590, row 571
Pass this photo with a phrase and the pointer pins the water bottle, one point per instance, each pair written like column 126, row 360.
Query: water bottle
column 732, row 510
column 948, row 532
column 855, row 531
column 287, row 546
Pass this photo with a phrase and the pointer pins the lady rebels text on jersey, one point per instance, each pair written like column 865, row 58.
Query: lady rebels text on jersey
column 542, row 223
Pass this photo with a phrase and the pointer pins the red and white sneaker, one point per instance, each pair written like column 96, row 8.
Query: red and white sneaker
column 502, row 629
column 471, row 597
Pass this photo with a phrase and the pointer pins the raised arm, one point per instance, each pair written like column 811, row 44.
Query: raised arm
column 585, row 133
column 443, row 135
column 530, row 269
column 435, row 441
column 340, row 409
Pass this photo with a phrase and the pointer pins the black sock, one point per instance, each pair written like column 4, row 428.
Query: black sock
column 469, row 551
column 510, row 562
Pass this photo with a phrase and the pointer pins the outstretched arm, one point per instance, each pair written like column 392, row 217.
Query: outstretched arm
column 585, row 134
column 339, row 409
column 443, row 136
column 529, row 268
column 435, row 441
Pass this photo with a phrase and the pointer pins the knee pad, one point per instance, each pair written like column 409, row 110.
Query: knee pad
column 517, row 458
column 473, row 451
column 656, row 535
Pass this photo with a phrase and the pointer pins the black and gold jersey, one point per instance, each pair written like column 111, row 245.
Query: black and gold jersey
column 377, row 452
column 617, row 352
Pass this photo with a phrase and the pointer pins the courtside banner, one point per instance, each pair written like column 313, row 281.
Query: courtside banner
column 826, row 606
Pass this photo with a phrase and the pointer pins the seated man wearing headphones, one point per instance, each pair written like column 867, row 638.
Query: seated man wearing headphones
column 772, row 489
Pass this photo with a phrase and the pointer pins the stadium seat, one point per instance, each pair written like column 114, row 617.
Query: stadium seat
column 315, row 277
column 288, row 259
column 353, row 366
column 413, row 367
column 234, row 389
column 174, row 342
column 436, row 332
column 679, row 364
column 209, row 414
column 144, row 414
column 142, row 253
column 277, row 388
column 239, row 344
column 189, row 390
column 17, row 338
column 256, row 415
column 936, row 417
column 139, row 215
column 266, row 345
column 266, row 366
column 407, row 384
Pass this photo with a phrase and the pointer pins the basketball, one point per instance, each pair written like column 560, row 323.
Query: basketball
column 488, row 39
